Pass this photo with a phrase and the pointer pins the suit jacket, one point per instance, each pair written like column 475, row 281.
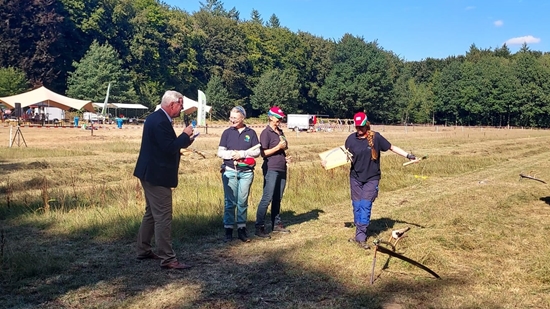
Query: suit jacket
column 159, row 155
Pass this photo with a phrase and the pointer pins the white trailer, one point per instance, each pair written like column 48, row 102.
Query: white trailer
column 300, row 122
column 54, row 114
column 93, row 117
column 47, row 113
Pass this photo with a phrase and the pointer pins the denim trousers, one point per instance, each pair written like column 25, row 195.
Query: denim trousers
column 236, row 188
column 274, row 188
column 363, row 194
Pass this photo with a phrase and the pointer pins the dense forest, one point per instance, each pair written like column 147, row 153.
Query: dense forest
column 144, row 47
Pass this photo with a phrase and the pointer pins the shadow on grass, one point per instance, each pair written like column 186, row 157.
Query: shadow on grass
column 546, row 199
column 48, row 270
column 291, row 218
column 90, row 274
column 380, row 225
column 7, row 168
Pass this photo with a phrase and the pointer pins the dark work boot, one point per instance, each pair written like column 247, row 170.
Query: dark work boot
column 243, row 236
column 260, row 232
column 360, row 244
column 228, row 234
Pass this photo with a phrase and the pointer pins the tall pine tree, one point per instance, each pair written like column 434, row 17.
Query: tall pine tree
column 99, row 67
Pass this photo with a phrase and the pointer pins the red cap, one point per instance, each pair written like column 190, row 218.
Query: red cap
column 276, row 112
column 247, row 162
column 360, row 119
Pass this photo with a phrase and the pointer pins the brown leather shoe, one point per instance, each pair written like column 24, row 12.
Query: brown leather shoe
column 150, row 256
column 176, row 265
column 280, row 228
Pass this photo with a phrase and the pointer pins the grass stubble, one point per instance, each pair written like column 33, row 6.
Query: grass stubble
column 70, row 209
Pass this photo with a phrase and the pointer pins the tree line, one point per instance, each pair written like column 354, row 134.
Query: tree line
column 144, row 47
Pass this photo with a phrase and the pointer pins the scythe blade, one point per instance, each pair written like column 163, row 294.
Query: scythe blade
column 406, row 259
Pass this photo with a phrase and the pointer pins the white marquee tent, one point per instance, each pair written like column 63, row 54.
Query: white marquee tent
column 46, row 97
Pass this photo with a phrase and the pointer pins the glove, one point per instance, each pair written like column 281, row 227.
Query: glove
column 235, row 155
column 410, row 156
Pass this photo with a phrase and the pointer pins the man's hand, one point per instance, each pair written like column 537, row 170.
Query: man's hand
column 188, row 130
column 411, row 157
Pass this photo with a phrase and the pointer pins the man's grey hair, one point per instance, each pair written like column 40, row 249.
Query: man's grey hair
column 169, row 97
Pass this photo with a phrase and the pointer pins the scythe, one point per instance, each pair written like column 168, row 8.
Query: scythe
column 382, row 249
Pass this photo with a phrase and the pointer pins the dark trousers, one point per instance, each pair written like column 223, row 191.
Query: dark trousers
column 274, row 188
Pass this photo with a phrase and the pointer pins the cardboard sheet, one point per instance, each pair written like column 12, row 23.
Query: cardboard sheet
column 335, row 157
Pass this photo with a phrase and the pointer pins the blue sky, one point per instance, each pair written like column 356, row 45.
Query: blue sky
column 414, row 30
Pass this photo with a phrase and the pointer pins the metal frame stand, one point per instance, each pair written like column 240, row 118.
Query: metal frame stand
column 19, row 136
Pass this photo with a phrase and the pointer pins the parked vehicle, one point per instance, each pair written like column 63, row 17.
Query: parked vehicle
column 93, row 117
column 45, row 114
column 54, row 114
column 301, row 122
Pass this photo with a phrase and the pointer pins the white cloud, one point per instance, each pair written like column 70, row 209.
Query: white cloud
column 522, row 39
column 470, row 8
column 498, row 23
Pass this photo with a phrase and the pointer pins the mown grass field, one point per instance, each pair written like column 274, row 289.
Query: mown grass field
column 70, row 210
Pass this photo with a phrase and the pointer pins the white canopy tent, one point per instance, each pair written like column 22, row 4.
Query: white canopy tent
column 121, row 105
column 127, row 107
column 47, row 98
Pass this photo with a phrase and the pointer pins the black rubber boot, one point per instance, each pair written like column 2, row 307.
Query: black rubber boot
column 243, row 236
column 228, row 234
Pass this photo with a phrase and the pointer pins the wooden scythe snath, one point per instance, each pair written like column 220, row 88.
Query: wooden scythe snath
column 416, row 161
column 192, row 150
column 531, row 177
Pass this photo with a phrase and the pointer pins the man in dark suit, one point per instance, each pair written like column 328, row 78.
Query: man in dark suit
column 157, row 168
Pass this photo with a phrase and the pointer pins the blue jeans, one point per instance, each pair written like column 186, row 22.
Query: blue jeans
column 274, row 188
column 236, row 187
column 363, row 194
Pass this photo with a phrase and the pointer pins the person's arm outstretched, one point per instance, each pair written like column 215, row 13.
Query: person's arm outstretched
column 402, row 153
